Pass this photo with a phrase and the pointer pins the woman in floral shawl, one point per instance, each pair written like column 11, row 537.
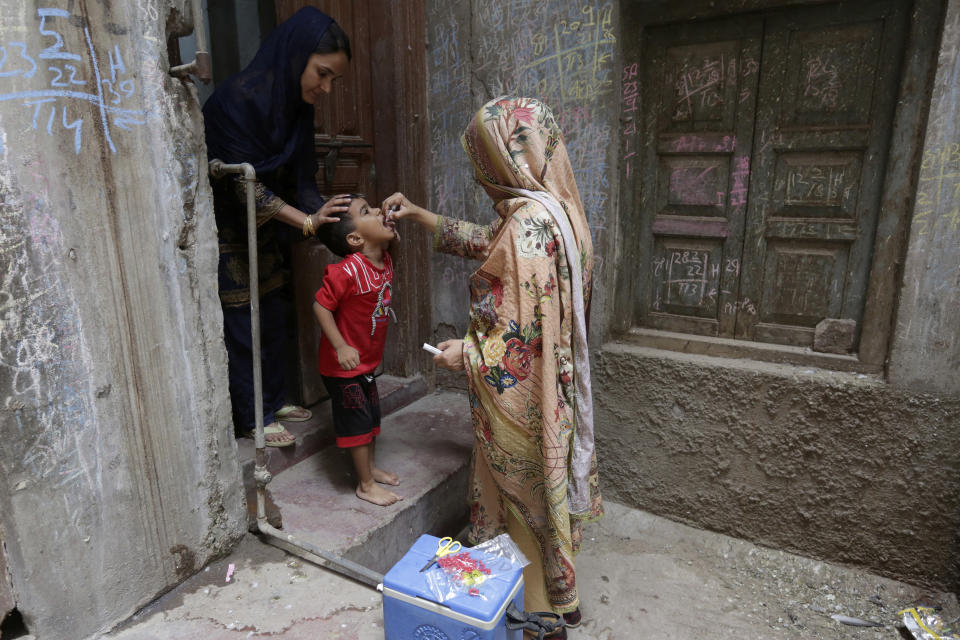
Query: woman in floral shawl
column 533, row 472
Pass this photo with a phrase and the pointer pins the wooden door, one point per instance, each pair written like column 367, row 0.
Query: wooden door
column 767, row 138
column 827, row 95
column 371, row 118
column 701, row 82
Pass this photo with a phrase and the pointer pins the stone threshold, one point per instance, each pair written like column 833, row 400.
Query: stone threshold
column 317, row 432
column 427, row 443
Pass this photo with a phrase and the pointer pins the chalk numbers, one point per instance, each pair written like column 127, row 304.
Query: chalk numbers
column 575, row 53
column 149, row 10
column 693, row 279
column 23, row 64
column 539, row 44
column 54, row 51
column 70, row 77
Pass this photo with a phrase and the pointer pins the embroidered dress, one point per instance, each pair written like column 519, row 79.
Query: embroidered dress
column 230, row 210
column 533, row 470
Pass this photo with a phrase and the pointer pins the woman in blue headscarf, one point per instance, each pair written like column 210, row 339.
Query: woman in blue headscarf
column 264, row 115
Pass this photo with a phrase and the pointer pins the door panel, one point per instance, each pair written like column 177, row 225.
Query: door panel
column 767, row 140
column 701, row 86
column 824, row 109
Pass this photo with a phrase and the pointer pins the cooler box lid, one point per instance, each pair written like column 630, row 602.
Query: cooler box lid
column 405, row 578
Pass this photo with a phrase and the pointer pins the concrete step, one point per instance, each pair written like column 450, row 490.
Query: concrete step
column 317, row 432
column 427, row 443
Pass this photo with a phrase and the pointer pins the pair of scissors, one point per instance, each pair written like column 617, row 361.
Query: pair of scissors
column 446, row 546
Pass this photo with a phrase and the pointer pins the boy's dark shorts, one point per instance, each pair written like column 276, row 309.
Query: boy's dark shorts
column 356, row 409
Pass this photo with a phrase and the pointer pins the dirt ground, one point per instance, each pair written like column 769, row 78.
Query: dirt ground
column 640, row 576
column 646, row 577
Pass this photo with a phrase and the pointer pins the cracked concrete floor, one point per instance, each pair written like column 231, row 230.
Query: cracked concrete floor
column 640, row 577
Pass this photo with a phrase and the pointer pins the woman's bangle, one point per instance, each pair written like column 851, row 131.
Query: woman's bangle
column 308, row 229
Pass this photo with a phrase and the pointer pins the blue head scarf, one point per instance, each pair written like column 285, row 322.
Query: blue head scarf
column 258, row 115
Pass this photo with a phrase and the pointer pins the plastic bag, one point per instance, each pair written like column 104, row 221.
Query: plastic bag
column 924, row 623
column 466, row 571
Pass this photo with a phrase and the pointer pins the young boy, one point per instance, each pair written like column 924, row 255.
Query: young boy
column 352, row 307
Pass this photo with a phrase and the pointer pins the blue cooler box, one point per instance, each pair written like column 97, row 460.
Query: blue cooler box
column 411, row 613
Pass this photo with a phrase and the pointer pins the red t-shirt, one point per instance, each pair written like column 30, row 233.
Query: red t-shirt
column 358, row 294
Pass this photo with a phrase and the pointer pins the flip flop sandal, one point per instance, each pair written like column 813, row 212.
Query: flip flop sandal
column 283, row 413
column 269, row 430
column 573, row 618
column 545, row 624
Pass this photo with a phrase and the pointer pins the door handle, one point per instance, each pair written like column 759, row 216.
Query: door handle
column 330, row 159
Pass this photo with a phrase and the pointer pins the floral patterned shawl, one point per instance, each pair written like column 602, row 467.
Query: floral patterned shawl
column 521, row 347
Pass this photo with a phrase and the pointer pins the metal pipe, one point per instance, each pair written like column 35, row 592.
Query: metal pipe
column 201, row 65
column 261, row 474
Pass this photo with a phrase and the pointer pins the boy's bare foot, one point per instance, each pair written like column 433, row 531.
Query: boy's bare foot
column 377, row 495
column 386, row 477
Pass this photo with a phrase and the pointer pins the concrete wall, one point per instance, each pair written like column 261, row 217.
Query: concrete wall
column 118, row 463
column 833, row 465
column 926, row 344
column 562, row 52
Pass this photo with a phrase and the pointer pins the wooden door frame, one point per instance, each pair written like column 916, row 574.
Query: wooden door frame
column 402, row 155
column 897, row 199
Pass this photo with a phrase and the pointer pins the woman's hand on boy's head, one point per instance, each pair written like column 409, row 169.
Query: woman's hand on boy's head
column 348, row 357
column 452, row 356
column 332, row 209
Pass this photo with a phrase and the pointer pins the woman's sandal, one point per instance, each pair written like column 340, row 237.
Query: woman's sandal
column 284, row 413
column 269, row 430
column 573, row 618
column 276, row 428
column 540, row 625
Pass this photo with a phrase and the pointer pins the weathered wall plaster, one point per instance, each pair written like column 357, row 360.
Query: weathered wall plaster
column 832, row 465
column 119, row 466
column 562, row 52
column 926, row 344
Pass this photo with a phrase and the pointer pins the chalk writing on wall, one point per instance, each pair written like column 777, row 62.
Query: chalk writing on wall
column 563, row 54
column 559, row 52
column 451, row 106
column 938, row 195
column 629, row 97
column 54, row 82
column 41, row 350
